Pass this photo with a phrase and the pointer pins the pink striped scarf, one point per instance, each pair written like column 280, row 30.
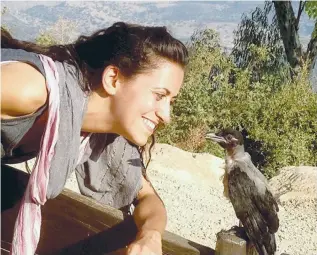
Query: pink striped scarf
column 28, row 223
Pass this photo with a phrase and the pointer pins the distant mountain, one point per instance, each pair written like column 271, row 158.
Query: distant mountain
column 27, row 19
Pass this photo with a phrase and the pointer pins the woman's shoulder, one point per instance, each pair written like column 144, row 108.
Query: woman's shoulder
column 23, row 89
column 21, row 55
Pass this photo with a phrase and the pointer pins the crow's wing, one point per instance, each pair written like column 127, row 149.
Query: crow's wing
column 257, row 211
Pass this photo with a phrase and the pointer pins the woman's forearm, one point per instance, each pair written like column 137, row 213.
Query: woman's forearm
column 150, row 214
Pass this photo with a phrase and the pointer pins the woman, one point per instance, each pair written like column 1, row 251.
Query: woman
column 121, row 81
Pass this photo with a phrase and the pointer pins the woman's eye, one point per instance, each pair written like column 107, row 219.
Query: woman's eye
column 159, row 96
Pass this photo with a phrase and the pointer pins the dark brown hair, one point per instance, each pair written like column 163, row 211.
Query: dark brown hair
column 134, row 49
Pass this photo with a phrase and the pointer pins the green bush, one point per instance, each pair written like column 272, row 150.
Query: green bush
column 279, row 117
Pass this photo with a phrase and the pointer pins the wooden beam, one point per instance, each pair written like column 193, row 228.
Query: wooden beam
column 75, row 224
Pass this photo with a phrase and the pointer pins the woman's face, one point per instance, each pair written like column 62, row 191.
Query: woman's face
column 140, row 104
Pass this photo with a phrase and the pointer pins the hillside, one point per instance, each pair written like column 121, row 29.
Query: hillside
column 27, row 19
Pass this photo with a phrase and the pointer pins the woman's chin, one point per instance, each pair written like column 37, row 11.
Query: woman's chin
column 139, row 140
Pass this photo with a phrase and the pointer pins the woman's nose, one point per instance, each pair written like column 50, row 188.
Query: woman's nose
column 164, row 112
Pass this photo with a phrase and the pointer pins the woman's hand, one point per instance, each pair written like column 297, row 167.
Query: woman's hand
column 148, row 242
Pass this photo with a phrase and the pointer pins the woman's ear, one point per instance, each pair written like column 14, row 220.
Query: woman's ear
column 109, row 79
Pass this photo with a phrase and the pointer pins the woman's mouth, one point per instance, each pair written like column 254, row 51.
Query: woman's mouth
column 149, row 124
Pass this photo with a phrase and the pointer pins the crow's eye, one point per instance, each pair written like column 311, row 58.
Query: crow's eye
column 229, row 137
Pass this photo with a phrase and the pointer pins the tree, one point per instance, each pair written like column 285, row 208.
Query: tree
column 64, row 31
column 45, row 39
column 288, row 26
column 258, row 33
column 266, row 111
column 311, row 10
column 4, row 10
column 275, row 29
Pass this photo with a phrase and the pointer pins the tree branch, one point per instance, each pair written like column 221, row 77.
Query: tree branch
column 312, row 45
column 300, row 10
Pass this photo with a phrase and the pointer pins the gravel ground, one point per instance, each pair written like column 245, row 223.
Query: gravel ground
column 191, row 189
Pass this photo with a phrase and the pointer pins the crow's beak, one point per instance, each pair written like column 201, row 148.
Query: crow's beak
column 215, row 138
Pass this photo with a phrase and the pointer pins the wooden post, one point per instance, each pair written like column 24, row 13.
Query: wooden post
column 234, row 242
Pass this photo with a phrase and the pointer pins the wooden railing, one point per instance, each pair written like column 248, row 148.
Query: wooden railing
column 75, row 224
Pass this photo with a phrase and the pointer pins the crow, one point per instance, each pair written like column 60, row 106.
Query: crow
column 248, row 191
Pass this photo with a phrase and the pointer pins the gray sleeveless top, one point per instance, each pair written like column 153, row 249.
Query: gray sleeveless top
column 111, row 169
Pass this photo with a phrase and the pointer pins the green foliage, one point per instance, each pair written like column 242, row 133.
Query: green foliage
column 44, row 39
column 4, row 27
column 64, row 31
column 287, row 125
column 259, row 32
column 311, row 9
column 278, row 115
column 4, row 10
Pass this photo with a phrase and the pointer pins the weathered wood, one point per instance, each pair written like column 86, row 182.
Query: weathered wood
column 234, row 242
column 75, row 224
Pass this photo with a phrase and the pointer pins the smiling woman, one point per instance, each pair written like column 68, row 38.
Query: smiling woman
column 145, row 101
column 90, row 106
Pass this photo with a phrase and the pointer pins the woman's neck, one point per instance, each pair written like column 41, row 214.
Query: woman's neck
column 98, row 117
